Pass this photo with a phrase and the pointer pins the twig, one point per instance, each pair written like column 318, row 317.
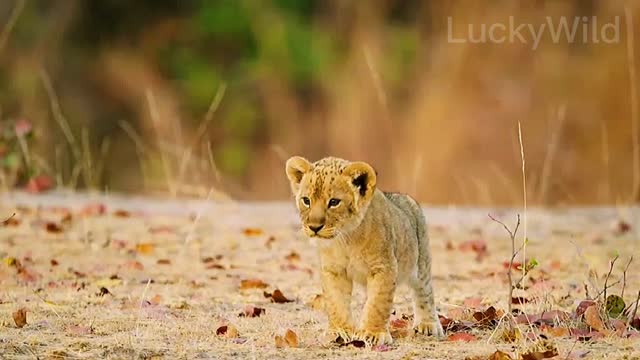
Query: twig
column 524, row 199
column 13, row 19
column 606, row 279
column 635, row 309
column 514, row 253
column 624, row 276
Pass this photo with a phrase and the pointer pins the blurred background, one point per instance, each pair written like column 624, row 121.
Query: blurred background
column 209, row 98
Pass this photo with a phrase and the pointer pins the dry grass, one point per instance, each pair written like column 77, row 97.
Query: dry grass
column 188, row 302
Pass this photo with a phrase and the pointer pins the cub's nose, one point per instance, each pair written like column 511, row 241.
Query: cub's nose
column 315, row 229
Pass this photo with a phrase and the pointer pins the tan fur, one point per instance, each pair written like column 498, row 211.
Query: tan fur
column 373, row 238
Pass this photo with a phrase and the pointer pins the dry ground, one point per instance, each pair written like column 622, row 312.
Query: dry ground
column 166, row 299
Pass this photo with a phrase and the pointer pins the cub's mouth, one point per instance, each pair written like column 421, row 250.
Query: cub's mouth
column 324, row 234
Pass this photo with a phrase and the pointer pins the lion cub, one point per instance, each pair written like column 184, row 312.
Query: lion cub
column 366, row 236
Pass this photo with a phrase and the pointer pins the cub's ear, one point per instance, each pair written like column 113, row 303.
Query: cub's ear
column 363, row 177
column 296, row 168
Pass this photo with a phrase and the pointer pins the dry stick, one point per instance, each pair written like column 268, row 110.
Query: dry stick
column 524, row 198
column 606, row 280
column 635, row 309
column 635, row 110
column 514, row 253
column 13, row 19
column 624, row 276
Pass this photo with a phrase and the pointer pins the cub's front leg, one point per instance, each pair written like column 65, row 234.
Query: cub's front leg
column 381, row 285
column 337, row 289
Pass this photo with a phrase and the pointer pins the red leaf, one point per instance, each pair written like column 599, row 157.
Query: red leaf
column 39, row 184
column 461, row 336
column 252, row 311
column 94, row 209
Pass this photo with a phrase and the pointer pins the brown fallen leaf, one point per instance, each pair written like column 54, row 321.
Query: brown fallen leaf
column 461, row 336
column 280, row 342
column 103, row 291
column 145, row 248
column 163, row 262
column 228, row 331
column 53, row 228
column 121, row 213
column 252, row 284
column 270, row 242
column 293, row 256
column 499, row 355
column 291, row 338
column 519, row 300
column 487, row 317
column 20, row 317
column 54, row 262
column 594, row 320
column 252, row 311
column 277, row 297
column 11, row 221
column 252, row 231
column 582, row 307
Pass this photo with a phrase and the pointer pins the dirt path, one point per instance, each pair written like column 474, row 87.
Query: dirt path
column 171, row 272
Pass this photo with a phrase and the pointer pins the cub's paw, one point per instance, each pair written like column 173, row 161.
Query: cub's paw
column 373, row 338
column 340, row 335
column 433, row 328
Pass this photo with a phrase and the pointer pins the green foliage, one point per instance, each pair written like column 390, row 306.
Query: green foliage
column 614, row 305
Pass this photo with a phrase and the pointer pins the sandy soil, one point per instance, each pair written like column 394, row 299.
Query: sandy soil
column 173, row 271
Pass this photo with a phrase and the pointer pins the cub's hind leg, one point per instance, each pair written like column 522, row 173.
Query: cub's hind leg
column 426, row 319
column 424, row 312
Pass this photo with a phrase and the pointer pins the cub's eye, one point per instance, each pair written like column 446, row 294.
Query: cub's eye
column 334, row 202
column 306, row 201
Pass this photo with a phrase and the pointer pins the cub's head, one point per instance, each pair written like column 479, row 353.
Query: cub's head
column 332, row 195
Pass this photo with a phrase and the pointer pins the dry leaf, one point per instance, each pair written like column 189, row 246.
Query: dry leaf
column 252, row 284
column 280, row 342
column 461, row 336
column 53, row 228
column 291, row 338
column 593, row 319
column 103, row 291
column 122, row 213
column 163, row 262
column 252, row 311
column 252, row 232
column 144, row 248
column 20, row 317
column 228, row 331
column 293, row 256
column 499, row 355
column 277, row 297
column 12, row 221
